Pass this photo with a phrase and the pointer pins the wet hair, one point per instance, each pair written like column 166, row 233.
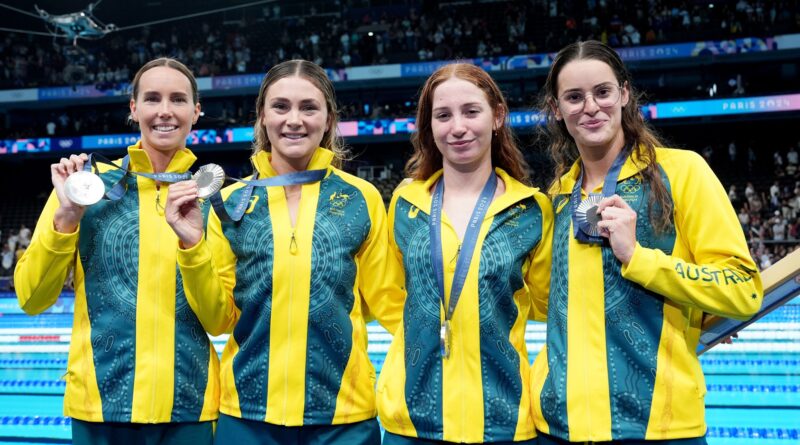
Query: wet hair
column 642, row 139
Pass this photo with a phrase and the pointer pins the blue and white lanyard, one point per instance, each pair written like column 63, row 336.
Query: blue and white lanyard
column 118, row 190
column 465, row 253
column 296, row 178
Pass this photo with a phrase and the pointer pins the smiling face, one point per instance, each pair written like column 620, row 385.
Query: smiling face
column 592, row 126
column 164, row 108
column 295, row 116
column 462, row 122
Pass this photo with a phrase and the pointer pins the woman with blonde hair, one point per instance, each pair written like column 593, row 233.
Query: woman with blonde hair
column 293, row 267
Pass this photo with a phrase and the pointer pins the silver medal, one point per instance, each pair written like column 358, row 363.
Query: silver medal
column 84, row 188
column 445, row 339
column 209, row 179
column 587, row 216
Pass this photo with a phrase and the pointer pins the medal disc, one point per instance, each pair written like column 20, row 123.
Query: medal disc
column 84, row 188
column 587, row 216
column 445, row 339
column 209, row 179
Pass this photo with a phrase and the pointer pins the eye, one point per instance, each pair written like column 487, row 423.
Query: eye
column 573, row 97
column 150, row 99
column 441, row 116
column 280, row 106
column 309, row 108
column 603, row 92
column 179, row 99
column 473, row 112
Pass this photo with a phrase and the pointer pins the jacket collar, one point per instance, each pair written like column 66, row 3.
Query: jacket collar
column 419, row 192
column 321, row 159
column 631, row 167
column 140, row 161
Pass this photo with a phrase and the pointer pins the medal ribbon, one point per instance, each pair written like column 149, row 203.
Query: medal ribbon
column 609, row 188
column 295, row 178
column 467, row 246
column 118, row 189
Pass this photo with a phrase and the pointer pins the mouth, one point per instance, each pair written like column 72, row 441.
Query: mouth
column 460, row 143
column 593, row 123
column 293, row 136
column 164, row 128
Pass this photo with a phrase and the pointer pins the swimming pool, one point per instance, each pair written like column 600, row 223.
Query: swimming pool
column 753, row 385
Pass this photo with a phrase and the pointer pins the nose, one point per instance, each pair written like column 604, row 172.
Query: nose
column 165, row 108
column 293, row 117
column 590, row 104
column 458, row 128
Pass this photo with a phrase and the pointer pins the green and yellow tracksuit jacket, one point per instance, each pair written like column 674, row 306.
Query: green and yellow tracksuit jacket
column 138, row 352
column 296, row 300
column 481, row 392
column 620, row 359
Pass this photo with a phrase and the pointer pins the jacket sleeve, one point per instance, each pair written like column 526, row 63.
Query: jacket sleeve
column 209, row 275
column 380, row 278
column 538, row 276
column 720, row 277
column 41, row 271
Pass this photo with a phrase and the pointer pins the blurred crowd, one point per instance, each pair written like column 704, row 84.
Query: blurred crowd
column 352, row 33
column 14, row 245
column 769, row 210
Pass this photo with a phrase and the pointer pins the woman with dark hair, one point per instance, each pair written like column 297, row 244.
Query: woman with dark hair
column 141, row 368
column 294, row 277
column 471, row 239
column 637, row 261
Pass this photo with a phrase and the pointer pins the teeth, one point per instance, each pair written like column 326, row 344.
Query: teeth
column 293, row 136
column 165, row 127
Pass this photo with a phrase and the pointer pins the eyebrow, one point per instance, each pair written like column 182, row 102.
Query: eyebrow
column 174, row 93
column 303, row 101
column 601, row 84
column 469, row 104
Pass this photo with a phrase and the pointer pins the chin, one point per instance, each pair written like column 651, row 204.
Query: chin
column 595, row 141
column 163, row 145
column 294, row 153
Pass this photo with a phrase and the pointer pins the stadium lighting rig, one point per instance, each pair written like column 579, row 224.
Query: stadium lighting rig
column 85, row 25
column 76, row 25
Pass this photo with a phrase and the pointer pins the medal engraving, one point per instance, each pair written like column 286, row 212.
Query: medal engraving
column 587, row 216
column 84, row 188
column 209, row 179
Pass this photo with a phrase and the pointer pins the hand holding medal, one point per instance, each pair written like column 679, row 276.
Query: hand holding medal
column 70, row 211
column 590, row 215
column 183, row 212
column 618, row 223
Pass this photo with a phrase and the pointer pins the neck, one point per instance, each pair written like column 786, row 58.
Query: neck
column 466, row 179
column 159, row 159
column 597, row 161
column 283, row 166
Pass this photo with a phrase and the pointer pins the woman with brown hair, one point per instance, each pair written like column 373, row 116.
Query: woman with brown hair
column 293, row 273
column 637, row 261
column 141, row 368
column 470, row 238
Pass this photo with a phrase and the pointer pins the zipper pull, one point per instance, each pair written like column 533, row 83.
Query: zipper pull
column 293, row 245
column 159, row 208
column 455, row 257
